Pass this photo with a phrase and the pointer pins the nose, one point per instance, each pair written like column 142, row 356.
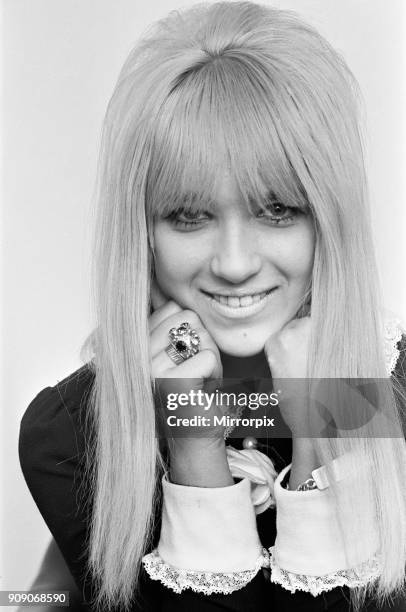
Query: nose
column 236, row 257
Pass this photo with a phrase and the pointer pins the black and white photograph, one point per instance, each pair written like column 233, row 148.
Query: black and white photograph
column 203, row 365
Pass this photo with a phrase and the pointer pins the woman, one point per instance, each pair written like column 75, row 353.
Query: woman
column 232, row 195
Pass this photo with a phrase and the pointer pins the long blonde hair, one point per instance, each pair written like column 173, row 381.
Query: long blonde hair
column 262, row 90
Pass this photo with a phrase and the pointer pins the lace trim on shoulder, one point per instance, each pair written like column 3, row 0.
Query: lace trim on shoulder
column 392, row 334
column 200, row 582
column 353, row 577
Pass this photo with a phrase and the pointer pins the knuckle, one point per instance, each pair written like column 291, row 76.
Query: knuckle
column 159, row 365
column 205, row 337
column 210, row 357
column 172, row 307
column 169, row 307
column 273, row 343
column 270, row 341
column 191, row 317
column 188, row 313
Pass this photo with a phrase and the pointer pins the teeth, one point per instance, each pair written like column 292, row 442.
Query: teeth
column 235, row 302
column 247, row 300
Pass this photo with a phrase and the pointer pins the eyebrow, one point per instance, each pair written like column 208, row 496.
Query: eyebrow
column 193, row 200
column 192, row 196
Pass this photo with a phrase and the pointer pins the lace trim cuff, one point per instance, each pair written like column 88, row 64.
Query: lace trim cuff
column 200, row 582
column 353, row 577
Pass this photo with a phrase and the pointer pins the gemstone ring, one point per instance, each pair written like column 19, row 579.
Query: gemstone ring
column 184, row 343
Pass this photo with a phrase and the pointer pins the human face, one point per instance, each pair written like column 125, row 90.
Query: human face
column 205, row 261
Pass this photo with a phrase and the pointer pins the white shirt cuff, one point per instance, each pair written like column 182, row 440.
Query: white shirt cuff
column 206, row 529
column 309, row 540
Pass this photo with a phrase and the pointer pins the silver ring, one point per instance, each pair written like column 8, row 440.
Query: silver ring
column 184, row 343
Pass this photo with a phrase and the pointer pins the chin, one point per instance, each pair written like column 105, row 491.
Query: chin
column 244, row 348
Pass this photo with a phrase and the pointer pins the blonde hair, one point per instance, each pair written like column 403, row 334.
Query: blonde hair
column 261, row 90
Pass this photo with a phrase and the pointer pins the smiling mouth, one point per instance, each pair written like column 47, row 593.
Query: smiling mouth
column 239, row 302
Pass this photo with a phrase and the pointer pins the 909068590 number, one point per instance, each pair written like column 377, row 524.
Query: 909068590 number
column 29, row 598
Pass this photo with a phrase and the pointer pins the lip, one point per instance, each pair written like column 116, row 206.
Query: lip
column 239, row 294
column 242, row 312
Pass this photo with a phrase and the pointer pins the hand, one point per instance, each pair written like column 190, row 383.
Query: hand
column 199, row 460
column 192, row 373
column 287, row 350
column 287, row 355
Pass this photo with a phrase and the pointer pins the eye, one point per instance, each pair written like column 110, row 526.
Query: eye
column 278, row 213
column 187, row 217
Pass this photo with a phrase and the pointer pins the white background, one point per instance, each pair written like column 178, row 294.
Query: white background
column 60, row 62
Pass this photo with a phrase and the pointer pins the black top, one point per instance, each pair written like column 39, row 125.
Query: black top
column 52, row 445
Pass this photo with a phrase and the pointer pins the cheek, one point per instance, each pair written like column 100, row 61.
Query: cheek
column 303, row 265
column 168, row 269
column 299, row 258
column 176, row 263
column 292, row 253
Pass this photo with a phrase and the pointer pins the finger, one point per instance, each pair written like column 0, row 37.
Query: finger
column 297, row 323
column 294, row 332
column 164, row 312
column 206, row 364
column 163, row 366
column 159, row 339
